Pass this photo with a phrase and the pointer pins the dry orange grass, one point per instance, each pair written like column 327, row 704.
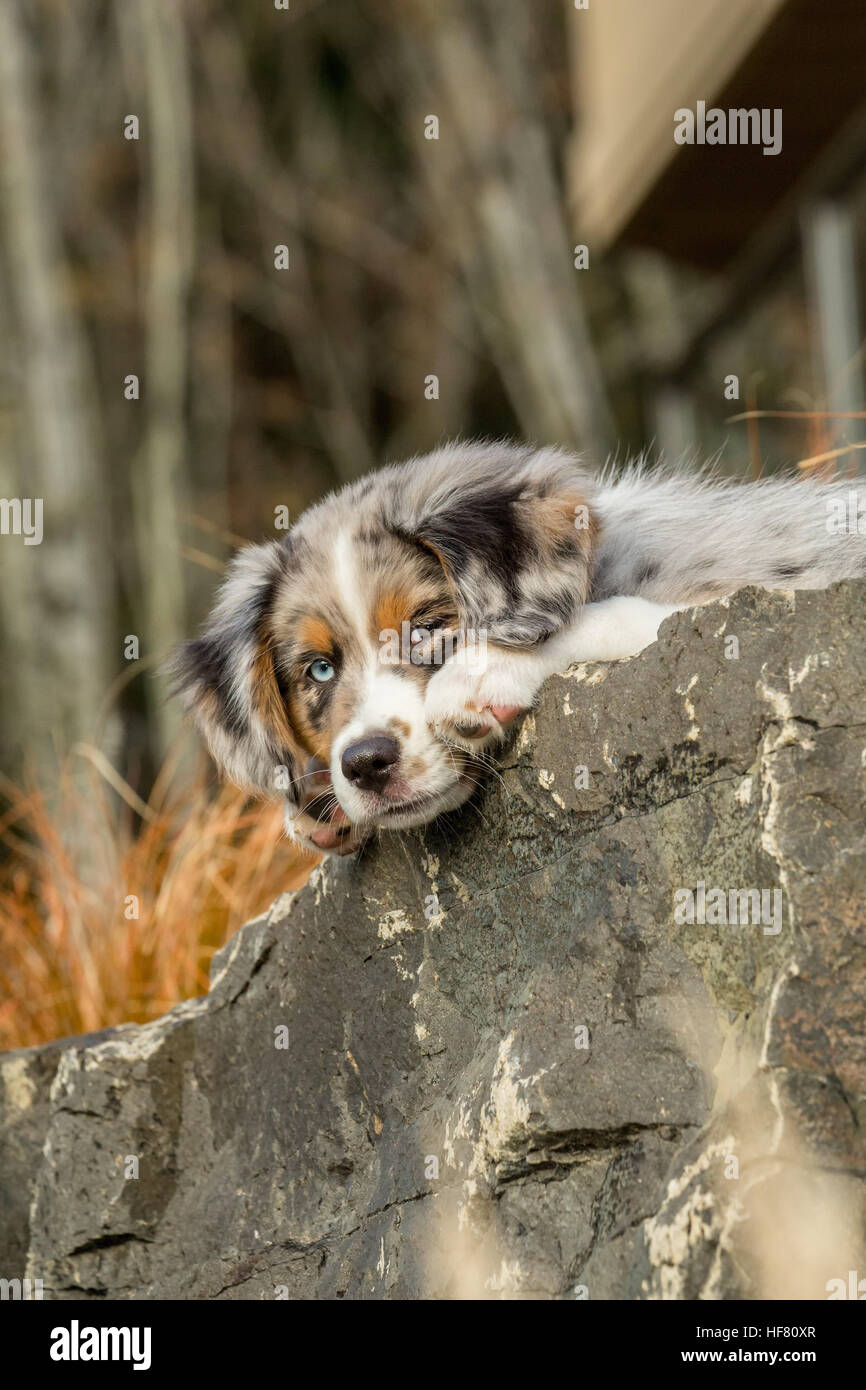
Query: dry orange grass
column 73, row 957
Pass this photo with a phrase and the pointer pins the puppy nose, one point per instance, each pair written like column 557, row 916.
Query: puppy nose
column 369, row 763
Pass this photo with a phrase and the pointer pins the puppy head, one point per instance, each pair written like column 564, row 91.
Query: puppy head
column 313, row 659
column 321, row 646
column 352, row 627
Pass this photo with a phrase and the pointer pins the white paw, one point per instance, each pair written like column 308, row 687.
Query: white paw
column 471, row 703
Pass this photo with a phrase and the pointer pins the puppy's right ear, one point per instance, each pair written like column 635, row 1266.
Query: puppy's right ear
column 229, row 679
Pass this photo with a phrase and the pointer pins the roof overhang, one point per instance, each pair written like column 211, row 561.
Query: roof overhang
column 637, row 63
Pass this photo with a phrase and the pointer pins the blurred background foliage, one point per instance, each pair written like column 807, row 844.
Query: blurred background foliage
column 259, row 387
column 263, row 388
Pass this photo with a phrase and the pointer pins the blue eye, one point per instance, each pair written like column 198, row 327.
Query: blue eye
column 321, row 670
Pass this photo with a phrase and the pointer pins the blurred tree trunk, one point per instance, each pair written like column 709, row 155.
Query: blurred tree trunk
column 169, row 201
column 492, row 175
column 67, row 644
column 291, row 301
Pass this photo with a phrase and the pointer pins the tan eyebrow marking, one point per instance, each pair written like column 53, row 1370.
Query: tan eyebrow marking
column 392, row 608
column 314, row 635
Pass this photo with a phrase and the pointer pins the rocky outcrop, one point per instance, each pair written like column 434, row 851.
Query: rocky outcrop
column 496, row 1057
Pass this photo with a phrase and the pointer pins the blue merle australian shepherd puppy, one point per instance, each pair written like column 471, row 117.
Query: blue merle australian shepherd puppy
column 363, row 666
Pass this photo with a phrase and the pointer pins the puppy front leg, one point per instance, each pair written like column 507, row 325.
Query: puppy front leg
column 611, row 630
column 477, row 693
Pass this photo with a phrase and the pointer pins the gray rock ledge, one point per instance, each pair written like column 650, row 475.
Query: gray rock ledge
column 512, row 1069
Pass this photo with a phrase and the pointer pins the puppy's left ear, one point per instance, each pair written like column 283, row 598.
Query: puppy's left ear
column 515, row 533
column 230, row 682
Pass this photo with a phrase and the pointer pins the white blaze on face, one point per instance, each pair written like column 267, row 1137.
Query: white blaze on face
column 384, row 697
column 351, row 586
